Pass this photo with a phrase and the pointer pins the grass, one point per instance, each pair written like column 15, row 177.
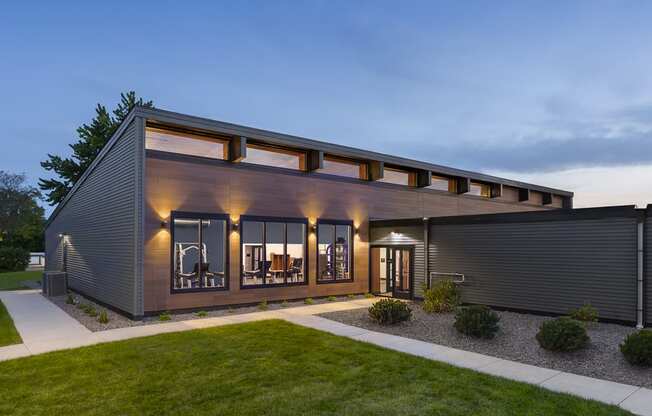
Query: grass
column 12, row 280
column 8, row 333
column 262, row 368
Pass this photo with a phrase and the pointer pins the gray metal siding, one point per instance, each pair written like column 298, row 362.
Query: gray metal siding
column 101, row 220
column 550, row 266
column 405, row 235
column 648, row 269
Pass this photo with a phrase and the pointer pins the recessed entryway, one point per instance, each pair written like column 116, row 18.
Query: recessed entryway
column 392, row 271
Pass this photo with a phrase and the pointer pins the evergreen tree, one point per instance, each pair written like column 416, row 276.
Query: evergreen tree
column 92, row 138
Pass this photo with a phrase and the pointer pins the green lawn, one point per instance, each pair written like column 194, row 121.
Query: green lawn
column 8, row 333
column 262, row 368
column 12, row 280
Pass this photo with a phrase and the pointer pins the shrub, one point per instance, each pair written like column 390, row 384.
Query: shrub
column 442, row 297
column 332, row 298
column 350, row 296
column 164, row 316
column 637, row 348
column 103, row 318
column 90, row 311
column 83, row 306
column 13, row 259
column 477, row 321
column 586, row 313
column 562, row 334
column 308, row 301
column 368, row 295
column 284, row 304
column 70, row 300
column 201, row 314
column 263, row 305
column 390, row 311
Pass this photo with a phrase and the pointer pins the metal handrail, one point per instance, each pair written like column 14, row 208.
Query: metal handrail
column 460, row 277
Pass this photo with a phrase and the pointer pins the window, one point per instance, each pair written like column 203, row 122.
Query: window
column 185, row 143
column 334, row 251
column 280, row 158
column 273, row 251
column 199, row 252
column 480, row 189
column 343, row 167
column 397, row 176
column 442, row 184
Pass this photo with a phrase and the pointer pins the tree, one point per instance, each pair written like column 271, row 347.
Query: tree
column 92, row 138
column 21, row 218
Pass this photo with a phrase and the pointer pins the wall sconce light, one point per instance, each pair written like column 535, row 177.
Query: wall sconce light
column 313, row 228
column 356, row 230
column 235, row 225
column 164, row 224
column 62, row 235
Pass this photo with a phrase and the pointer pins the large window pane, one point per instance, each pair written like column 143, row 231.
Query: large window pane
column 325, row 247
column 186, row 253
column 214, row 260
column 184, row 143
column 279, row 158
column 199, row 253
column 334, row 252
column 296, row 234
column 253, row 266
column 396, row 176
column 480, row 189
column 441, row 184
column 275, row 252
column 343, row 167
column 342, row 260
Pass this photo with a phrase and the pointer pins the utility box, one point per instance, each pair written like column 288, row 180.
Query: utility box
column 54, row 283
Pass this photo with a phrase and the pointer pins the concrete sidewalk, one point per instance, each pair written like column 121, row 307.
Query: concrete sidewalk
column 44, row 327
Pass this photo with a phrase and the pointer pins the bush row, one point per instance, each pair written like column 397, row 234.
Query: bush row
column 564, row 334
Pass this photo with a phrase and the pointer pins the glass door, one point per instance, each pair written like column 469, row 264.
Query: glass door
column 400, row 271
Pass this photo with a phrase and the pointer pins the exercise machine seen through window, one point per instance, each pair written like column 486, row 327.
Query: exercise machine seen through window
column 199, row 253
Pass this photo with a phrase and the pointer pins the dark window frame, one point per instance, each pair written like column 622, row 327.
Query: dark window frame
column 285, row 221
column 200, row 216
column 351, row 249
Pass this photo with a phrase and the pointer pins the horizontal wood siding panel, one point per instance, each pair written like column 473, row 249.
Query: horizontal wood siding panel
column 188, row 184
column 405, row 235
column 543, row 266
column 100, row 222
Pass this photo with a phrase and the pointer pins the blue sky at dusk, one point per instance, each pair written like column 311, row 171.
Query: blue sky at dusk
column 555, row 93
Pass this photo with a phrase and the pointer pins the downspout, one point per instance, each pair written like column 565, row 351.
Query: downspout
column 639, row 269
column 426, row 248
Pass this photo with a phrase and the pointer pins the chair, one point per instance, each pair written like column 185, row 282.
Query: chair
column 296, row 269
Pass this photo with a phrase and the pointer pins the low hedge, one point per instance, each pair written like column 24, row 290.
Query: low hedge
column 13, row 259
column 562, row 334
column 390, row 311
column 477, row 321
column 637, row 348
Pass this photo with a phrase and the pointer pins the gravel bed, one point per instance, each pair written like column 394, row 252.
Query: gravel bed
column 117, row 320
column 516, row 341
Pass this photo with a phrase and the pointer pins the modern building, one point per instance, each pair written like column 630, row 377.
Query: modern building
column 180, row 212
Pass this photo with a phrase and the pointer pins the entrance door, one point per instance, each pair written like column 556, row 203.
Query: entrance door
column 391, row 271
column 399, row 272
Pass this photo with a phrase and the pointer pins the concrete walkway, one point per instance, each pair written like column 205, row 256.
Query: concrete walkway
column 44, row 327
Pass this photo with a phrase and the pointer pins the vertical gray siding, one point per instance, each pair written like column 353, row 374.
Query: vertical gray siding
column 405, row 235
column 101, row 219
column 647, row 246
column 550, row 266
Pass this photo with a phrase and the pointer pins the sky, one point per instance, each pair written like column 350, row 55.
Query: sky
column 553, row 93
